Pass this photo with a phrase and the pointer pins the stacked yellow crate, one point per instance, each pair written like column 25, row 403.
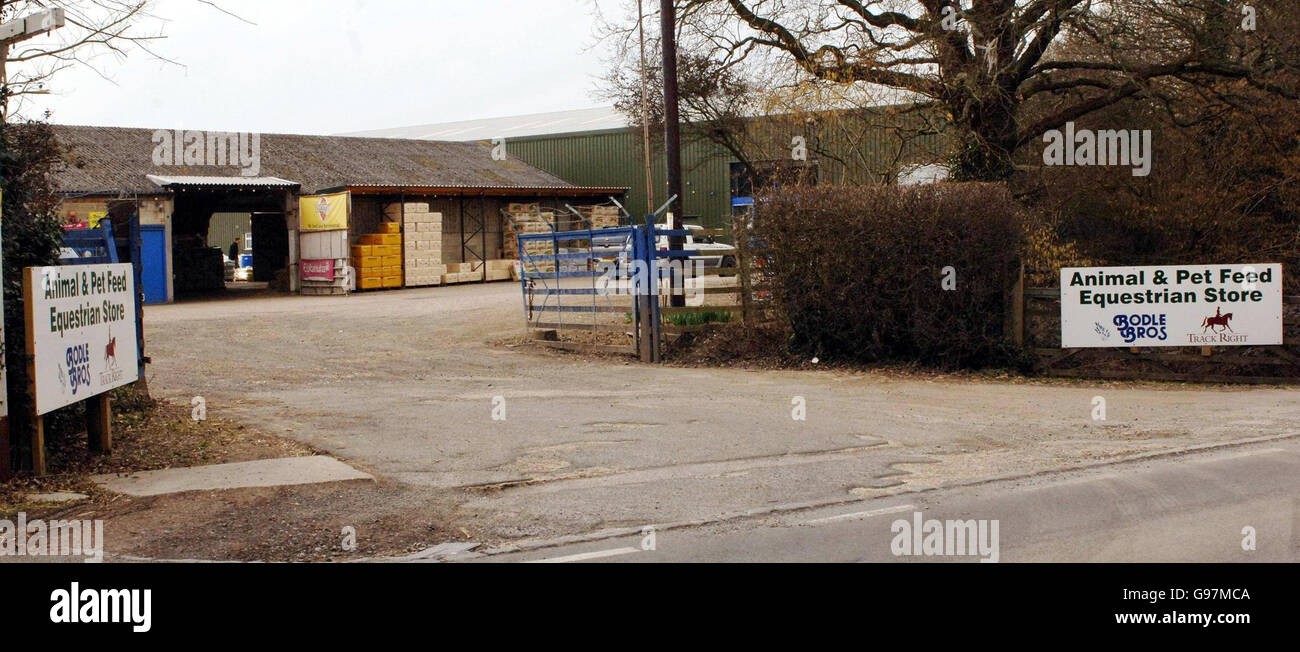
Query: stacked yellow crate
column 369, row 267
column 378, row 258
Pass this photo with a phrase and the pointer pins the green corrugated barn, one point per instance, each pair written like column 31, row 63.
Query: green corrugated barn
column 596, row 147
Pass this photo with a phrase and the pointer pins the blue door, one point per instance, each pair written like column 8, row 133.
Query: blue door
column 153, row 263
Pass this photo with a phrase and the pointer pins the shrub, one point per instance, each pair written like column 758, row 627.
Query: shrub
column 699, row 318
column 33, row 233
column 857, row 271
column 1222, row 188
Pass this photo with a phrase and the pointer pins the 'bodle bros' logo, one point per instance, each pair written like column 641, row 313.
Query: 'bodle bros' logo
column 78, row 361
column 1142, row 327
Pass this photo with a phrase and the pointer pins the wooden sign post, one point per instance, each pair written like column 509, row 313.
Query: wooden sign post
column 99, row 424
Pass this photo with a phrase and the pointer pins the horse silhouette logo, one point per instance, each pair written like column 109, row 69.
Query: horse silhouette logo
column 1214, row 323
column 110, row 351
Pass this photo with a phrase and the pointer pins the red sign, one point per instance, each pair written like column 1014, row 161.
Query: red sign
column 317, row 270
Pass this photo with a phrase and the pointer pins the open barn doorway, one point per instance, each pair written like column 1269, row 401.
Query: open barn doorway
column 229, row 239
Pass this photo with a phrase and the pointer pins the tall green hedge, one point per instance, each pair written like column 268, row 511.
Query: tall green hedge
column 857, row 272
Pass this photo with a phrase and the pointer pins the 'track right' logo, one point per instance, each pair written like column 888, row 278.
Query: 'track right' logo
column 1217, row 329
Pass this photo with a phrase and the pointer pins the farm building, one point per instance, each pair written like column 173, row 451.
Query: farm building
column 192, row 204
column 598, row 147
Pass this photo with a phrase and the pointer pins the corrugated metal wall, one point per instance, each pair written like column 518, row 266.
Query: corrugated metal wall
column 226, row 227
column 856, row 154
column 614, row 158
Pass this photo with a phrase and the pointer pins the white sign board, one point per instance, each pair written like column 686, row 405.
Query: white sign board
column 1190, row 305
column 80, row 331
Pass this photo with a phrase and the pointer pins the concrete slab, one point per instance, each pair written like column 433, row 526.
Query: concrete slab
column 57, row 497
column 261, row 473
column 440, row 552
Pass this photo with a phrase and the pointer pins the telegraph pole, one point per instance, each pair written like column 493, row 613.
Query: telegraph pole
column 645, row 113
column 15, row 31
column 672, row 136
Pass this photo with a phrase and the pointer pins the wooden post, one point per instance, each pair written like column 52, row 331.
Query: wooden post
column 646, row 327
column 740, row 234
column 648, row 294
column 99, row 424
column 38, row 444
column 38, row 421
column 6, row 471
column 1018, row 308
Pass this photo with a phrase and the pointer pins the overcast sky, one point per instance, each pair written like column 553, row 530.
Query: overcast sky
column 331, row 66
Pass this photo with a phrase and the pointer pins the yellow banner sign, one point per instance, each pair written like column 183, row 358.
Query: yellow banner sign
column 324, row 212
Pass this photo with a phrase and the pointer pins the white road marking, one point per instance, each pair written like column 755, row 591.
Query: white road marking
column 585, row 556
column 1239, row 454
column 857, row 515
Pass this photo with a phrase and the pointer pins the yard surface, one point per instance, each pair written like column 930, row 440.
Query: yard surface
column 403, row 385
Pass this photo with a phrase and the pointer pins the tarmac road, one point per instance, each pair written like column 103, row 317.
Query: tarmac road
column 402, row 385
column 1188, row 508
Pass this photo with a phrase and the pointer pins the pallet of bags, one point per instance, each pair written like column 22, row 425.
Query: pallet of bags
column 499, row 270
column 425, row 275
column 598, row 217
column 422, row 249
column 523, row 223
column 462, row 273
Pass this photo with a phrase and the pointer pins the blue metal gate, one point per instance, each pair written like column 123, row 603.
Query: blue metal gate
column 594, row 289
column 100, row 246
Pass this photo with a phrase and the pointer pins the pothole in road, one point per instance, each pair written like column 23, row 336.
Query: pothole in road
column 549, row 459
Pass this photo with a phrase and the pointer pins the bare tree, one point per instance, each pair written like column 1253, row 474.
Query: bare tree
column 999, row 69
column 752, row 109
column 97, row 31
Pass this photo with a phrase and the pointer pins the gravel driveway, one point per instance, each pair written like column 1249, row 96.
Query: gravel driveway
column 402, row 384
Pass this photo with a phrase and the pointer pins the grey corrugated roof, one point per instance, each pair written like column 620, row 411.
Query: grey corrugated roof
column 535, row 124
column 120, row 160
column 220, row 181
